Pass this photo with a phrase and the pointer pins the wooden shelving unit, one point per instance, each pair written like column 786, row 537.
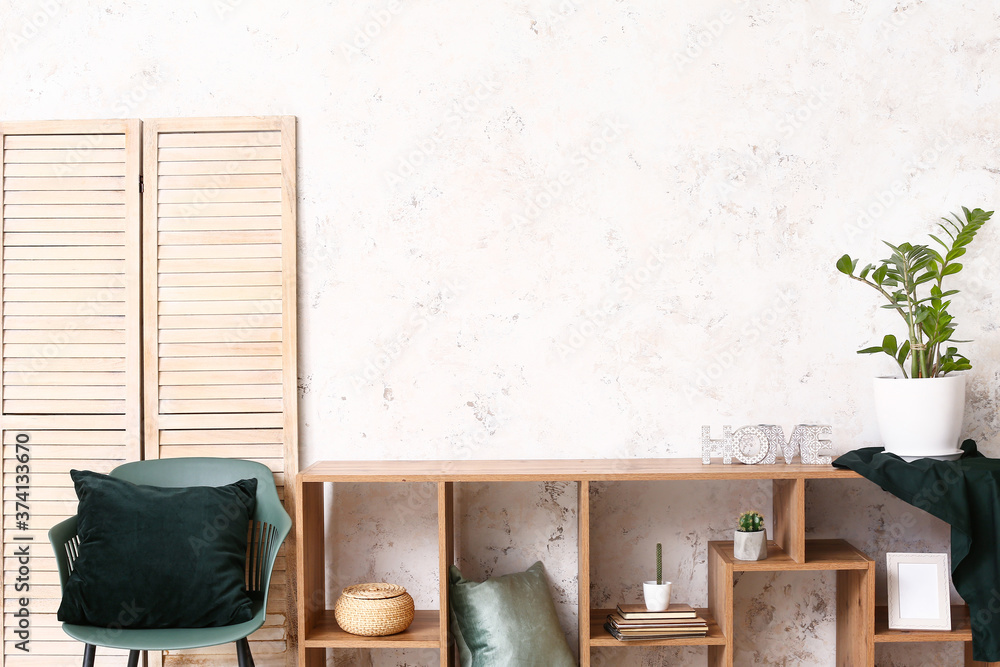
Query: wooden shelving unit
column 860, row 625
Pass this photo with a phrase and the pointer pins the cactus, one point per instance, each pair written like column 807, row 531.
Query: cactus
column 659, row 564
column 750, row 522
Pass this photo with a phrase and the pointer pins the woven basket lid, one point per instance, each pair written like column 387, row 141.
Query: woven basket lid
column 375, row 591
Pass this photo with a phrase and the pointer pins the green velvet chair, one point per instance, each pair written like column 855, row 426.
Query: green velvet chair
column 266, row 539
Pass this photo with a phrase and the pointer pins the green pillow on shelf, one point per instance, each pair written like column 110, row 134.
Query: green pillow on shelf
column 159, row 557
column 507, row 621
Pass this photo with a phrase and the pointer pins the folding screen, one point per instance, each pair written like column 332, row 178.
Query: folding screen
column 216, row 357
column 71, row 349
column 219, row 312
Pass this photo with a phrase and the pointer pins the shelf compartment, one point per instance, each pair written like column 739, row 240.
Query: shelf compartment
column 961, row 628
column 600, row 637
column 829, row 555
column 424, row 632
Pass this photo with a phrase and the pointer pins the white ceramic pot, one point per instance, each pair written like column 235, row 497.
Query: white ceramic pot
column 750, row 546
column 656, row 596
column 922, row 417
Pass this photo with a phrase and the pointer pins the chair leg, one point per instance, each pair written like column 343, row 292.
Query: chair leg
column 88, row 655
column 133, row 658
column 243, row 653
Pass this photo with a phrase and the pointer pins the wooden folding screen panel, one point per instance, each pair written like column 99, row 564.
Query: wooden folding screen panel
column 219, row 315
column 70, row 394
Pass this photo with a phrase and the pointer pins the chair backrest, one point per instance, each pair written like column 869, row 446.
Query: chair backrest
column 270, row 522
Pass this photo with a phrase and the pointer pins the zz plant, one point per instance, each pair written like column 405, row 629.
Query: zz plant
column 911, row 280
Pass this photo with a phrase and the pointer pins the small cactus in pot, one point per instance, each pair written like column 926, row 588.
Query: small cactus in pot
column 656, row 594
column 750, row 539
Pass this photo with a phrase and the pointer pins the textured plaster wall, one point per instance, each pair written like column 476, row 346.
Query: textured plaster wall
column 581, row 228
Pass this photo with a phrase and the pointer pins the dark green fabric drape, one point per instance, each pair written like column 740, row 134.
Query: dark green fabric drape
column 966, row 494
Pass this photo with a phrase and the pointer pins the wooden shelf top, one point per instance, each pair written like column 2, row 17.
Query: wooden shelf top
column 600, row 637
column 422, row 633
column 555, row 470
column 961, row 628
column 820, row 555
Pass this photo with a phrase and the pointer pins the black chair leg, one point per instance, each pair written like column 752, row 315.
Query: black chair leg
column 133, row 658
column 88, row 655
column 243, row 653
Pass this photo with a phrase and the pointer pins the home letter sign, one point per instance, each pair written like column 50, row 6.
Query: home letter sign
column 761, row 444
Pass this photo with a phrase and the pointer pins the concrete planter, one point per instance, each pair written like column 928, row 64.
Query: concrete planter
column 750, row 546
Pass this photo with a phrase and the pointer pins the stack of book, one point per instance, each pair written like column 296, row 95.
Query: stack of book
column 631, row 622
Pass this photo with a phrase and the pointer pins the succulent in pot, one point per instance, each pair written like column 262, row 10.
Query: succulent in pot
column 923, row 418
column 750, row 538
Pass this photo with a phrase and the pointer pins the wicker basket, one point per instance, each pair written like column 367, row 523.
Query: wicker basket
column 374, row 610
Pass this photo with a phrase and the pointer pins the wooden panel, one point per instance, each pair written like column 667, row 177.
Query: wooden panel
column 820, row 555
column 309, row 521
column 789, row 507
column 422, row 633
column 219, row 313
column 583, row 572
column 561, row 470
column 856, row 617
column 446, row 557
column 601, row 637
column 961, row 628
column 69, row 392
column 720, row 605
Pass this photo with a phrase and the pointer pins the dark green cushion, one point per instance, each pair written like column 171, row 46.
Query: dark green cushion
column 507, row 621
column 157, row 557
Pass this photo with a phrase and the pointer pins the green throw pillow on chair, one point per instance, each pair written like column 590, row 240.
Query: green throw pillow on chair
column 158, row 557
column 507, row 621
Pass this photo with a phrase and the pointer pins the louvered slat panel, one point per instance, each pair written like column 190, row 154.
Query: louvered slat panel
column 219, row 314
column 69, row 388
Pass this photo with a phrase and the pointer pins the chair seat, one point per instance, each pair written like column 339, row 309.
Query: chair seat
column 166, row 638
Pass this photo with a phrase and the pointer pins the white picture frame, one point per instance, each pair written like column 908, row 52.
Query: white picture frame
column 919, row 593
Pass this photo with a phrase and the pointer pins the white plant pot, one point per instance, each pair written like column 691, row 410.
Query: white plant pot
column 922, row 417
column 656, row 596
column 750, row 546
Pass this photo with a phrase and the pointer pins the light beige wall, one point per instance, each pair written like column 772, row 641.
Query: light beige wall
column 581, row 228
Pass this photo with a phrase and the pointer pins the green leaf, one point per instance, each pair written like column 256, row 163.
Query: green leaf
column 904, row 352
column 879, row 275
column 955, row 253
column 846, row 265
column 889, row 345
column 938, row 240
column 951, row 269
column 871, row 350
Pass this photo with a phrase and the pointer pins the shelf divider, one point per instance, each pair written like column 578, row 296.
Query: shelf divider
column 720, row 606
column 446, row 557
column 583, row 578
column 788, row 504
column 311, row 564
column 856, row 616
